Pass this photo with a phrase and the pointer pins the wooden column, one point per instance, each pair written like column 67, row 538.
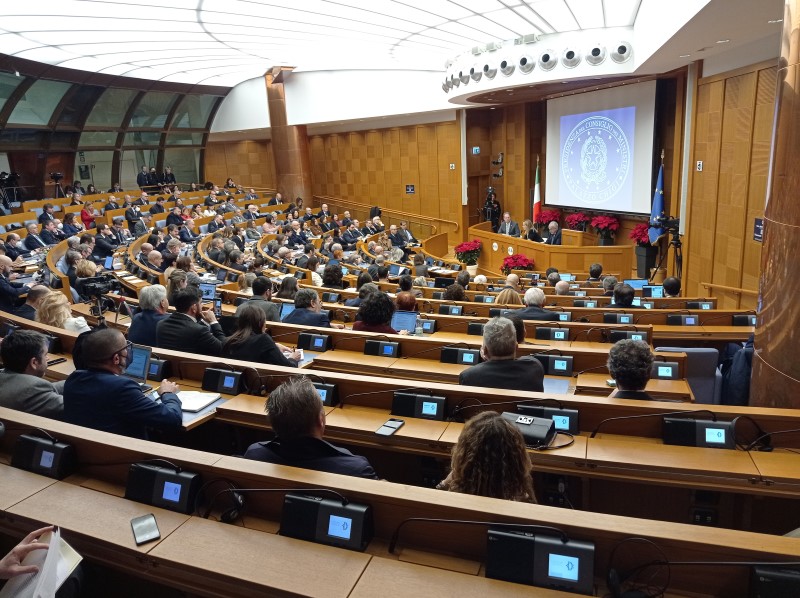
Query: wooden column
column 289, row 145
column 776, row 367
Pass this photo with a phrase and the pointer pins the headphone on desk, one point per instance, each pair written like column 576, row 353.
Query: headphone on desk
column 236, row 503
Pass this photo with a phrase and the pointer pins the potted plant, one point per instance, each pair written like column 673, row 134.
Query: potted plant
column 605, row 226
column 645, row 252
column 467, row 253
column 577, row 221
column 545, row 217
column 516, row 261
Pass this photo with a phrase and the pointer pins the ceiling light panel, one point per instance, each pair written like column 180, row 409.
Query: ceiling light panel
column 536, row 19
column 511, row 21
column 557, row 13
column 490, row 28
column 621, row 13
column 589, row 13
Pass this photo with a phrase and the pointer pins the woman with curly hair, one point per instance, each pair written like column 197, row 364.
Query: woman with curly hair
column 375, row 314
column 332, row 277
column 490, row 459
column 54, row 311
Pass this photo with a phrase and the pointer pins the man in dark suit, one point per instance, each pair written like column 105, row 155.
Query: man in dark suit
column 153, row 303
column 298, row 419
column 346, row 220
column 141, row 178
column 251, row 213
column 50, row 233
column 297, row 236
column 143, row 200
column 142, row 225
column 623, row 295
column 174, row 217
column 133, row 214
column 508, row 226
column 15, row 247
column 119, row 233
column 186, row 234
column 182, row 332
column 112, row 204
column 35, row 295
column 369, row 229
column 534, row 300
column 324, row 212
column 500, row 368
column 302, row 260
column 47, row 214
column 276, row 201
column 158, row 207
column 99, row 397
column 555, row 234
column 398, row 240
column 105, row 243
column 352, row 235
column 9, row 291
column 308, row 310
column 33, row 240
column 251, row 196
column 217, row 224
column 407, row 234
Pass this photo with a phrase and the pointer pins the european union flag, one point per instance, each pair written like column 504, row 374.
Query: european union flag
column 656, row 230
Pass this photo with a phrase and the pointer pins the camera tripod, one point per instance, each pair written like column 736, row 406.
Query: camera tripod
column 677, row 245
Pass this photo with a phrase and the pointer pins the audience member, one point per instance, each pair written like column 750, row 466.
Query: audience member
column 595, row 272
column 100, row 398
column 623, row 295
column 508, row 296
column 562, row 288
column 262, row 298
column 487, row 440
column 534, row 300
column 308, row 310
column 288, row 288
column 54, row 311
column 420, row 266
column 35, row 295
column 366, row 289
column 512, row 282
column 22, row 383
column 609, row 282
column 250, row 341
column 500, row 368
column 630, row 363
column 553, row 279
column 332, row 277
column 555, row 234
column 463, row 279
column 375, row 314
column 153, row 306
column 455, row 292
column 405, row 301
column 181, row 331
column 672, row 287
column 297, row 417
column 312, row 265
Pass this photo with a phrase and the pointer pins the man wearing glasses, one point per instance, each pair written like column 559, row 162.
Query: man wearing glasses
column 100, row 398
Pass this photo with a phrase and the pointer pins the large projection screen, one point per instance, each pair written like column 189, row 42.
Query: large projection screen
column 600, row 149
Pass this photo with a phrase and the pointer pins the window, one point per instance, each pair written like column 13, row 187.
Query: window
column 111, row 108
column 152, row 111
column 8, row 83
column 193, row 112
column 37, row 105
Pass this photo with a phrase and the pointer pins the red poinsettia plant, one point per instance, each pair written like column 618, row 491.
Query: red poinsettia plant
column 468, row 252
column 516, row 261
column 605, row 226
column 641, row 234
column 577, row 220
column 547, row 216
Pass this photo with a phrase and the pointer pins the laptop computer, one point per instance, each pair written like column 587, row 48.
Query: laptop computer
column 404, row 320
column 286, row 309
column 108, row 264
column 208, row 291
column 139, row 366
column 636, row 283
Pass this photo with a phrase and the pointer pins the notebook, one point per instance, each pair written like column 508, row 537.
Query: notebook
column 193, row 401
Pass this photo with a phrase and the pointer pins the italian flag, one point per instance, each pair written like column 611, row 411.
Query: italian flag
column 537, row 202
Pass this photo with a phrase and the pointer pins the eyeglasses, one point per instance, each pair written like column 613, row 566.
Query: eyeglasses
column 126, row 348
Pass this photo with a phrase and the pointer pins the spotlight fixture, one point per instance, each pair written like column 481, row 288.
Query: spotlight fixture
column 547, row 60
column 506, row 67
column 476, row 73
column 455, row 80
column 570, row 58
column 622, row 52
column 526, row 64
column 596, row 55
column 489, row 71
column 464, row 77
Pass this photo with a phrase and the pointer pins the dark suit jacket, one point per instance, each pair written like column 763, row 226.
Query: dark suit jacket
column 26, row 311
column 181, row 333
column 512, row 230
column 9, row 294
column 104, row 246
column 44, row 218
column 186, row 235
column 632, row 394
column 100, row 400
column 534, row 236
column 214, row 227
column 143, row 327
column 510, row 374
column 308, row 318
column 50, row 238
column 536, row 313
column 352, row 237
column 297, row 238
column 14, row 252
column 555, row 239
column 260, row 348
column 32, row 242
column 157, row 208
column 398, row 240
column 173, row 219
column 312, row 453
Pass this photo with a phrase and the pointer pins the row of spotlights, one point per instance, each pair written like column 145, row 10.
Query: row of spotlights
column 547, row 61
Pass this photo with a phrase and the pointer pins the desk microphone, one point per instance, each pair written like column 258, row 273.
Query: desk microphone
column 661, row 414
column 706, row 321
column 428, row 304
column 385, row 390
column 283, row 334
column 603, row 335
column 511, row 526
column 597, row 367
column 553, row 350
column 233, row 513
column 437, row 348
column 768, row 435
column 461, row 407
column 644, row 315
column 588, row 317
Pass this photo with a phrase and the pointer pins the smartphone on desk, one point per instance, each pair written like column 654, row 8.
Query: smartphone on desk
column 145, row 529
column 390, row 427
column 56, row 361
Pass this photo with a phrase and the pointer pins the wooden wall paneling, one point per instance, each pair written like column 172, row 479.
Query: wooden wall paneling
column 316, row 147
column 497, row 144
column 409, row 171
column 392, row 173
column 516, row 171
column 737, row 129
column 448, row 151
column 374, row 165
column 426, row 198
column 250, row 163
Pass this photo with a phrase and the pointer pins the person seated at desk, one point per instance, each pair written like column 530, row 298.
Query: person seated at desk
column 71, row 226
column 332, row 277
column 534, row 300
column 553, row 279
column 630, row 363
column 529, row 232
column 508, row 226
column 182, row 332
column 365, row 290
column 375, row 315
column 508, row 297
column 406, row 285
column 262, row 298
column 54, row 311
column 33, row 241
column 420, row 266
column 490, row 459
column 298, row 419
column 155, row 259
column 22, row 383
column 595, row 273
column 623, row 296
column 153, row 305
column 555, row 234
column 174, row 217
column 100, row 398
column 500, row 368
column 454, row 292
column 15, row 248
column 609, row 282
column 28, row 309
column 405, row 301
column 672, row 287
column 562, row 288
column 287, row 289
column 308, row 311
column 251, row 343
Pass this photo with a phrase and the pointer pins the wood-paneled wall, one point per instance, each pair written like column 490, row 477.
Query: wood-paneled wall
column 375, row 166
column 733, row 129
column 249, row 163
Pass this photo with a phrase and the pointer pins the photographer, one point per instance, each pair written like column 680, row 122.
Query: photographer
column 492, row 209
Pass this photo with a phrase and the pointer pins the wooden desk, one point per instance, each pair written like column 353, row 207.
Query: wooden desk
column 779, row 470
column 592, row 383
column 210, row 557
column 18, row 485
column 247, row 410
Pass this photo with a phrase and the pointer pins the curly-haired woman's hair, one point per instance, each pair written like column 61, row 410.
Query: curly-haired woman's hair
column 630, row 363
column 455, row 292
column 508, row 297
column 53, row 309
column 490, row 459
column 288, row 288
column 332, row 276
column 376, row 309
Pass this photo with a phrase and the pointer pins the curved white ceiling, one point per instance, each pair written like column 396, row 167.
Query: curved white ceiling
column 224, row 42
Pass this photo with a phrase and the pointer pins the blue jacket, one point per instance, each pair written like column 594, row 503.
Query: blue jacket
column 307, row 317
column 103, row 401
column 143, row 327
